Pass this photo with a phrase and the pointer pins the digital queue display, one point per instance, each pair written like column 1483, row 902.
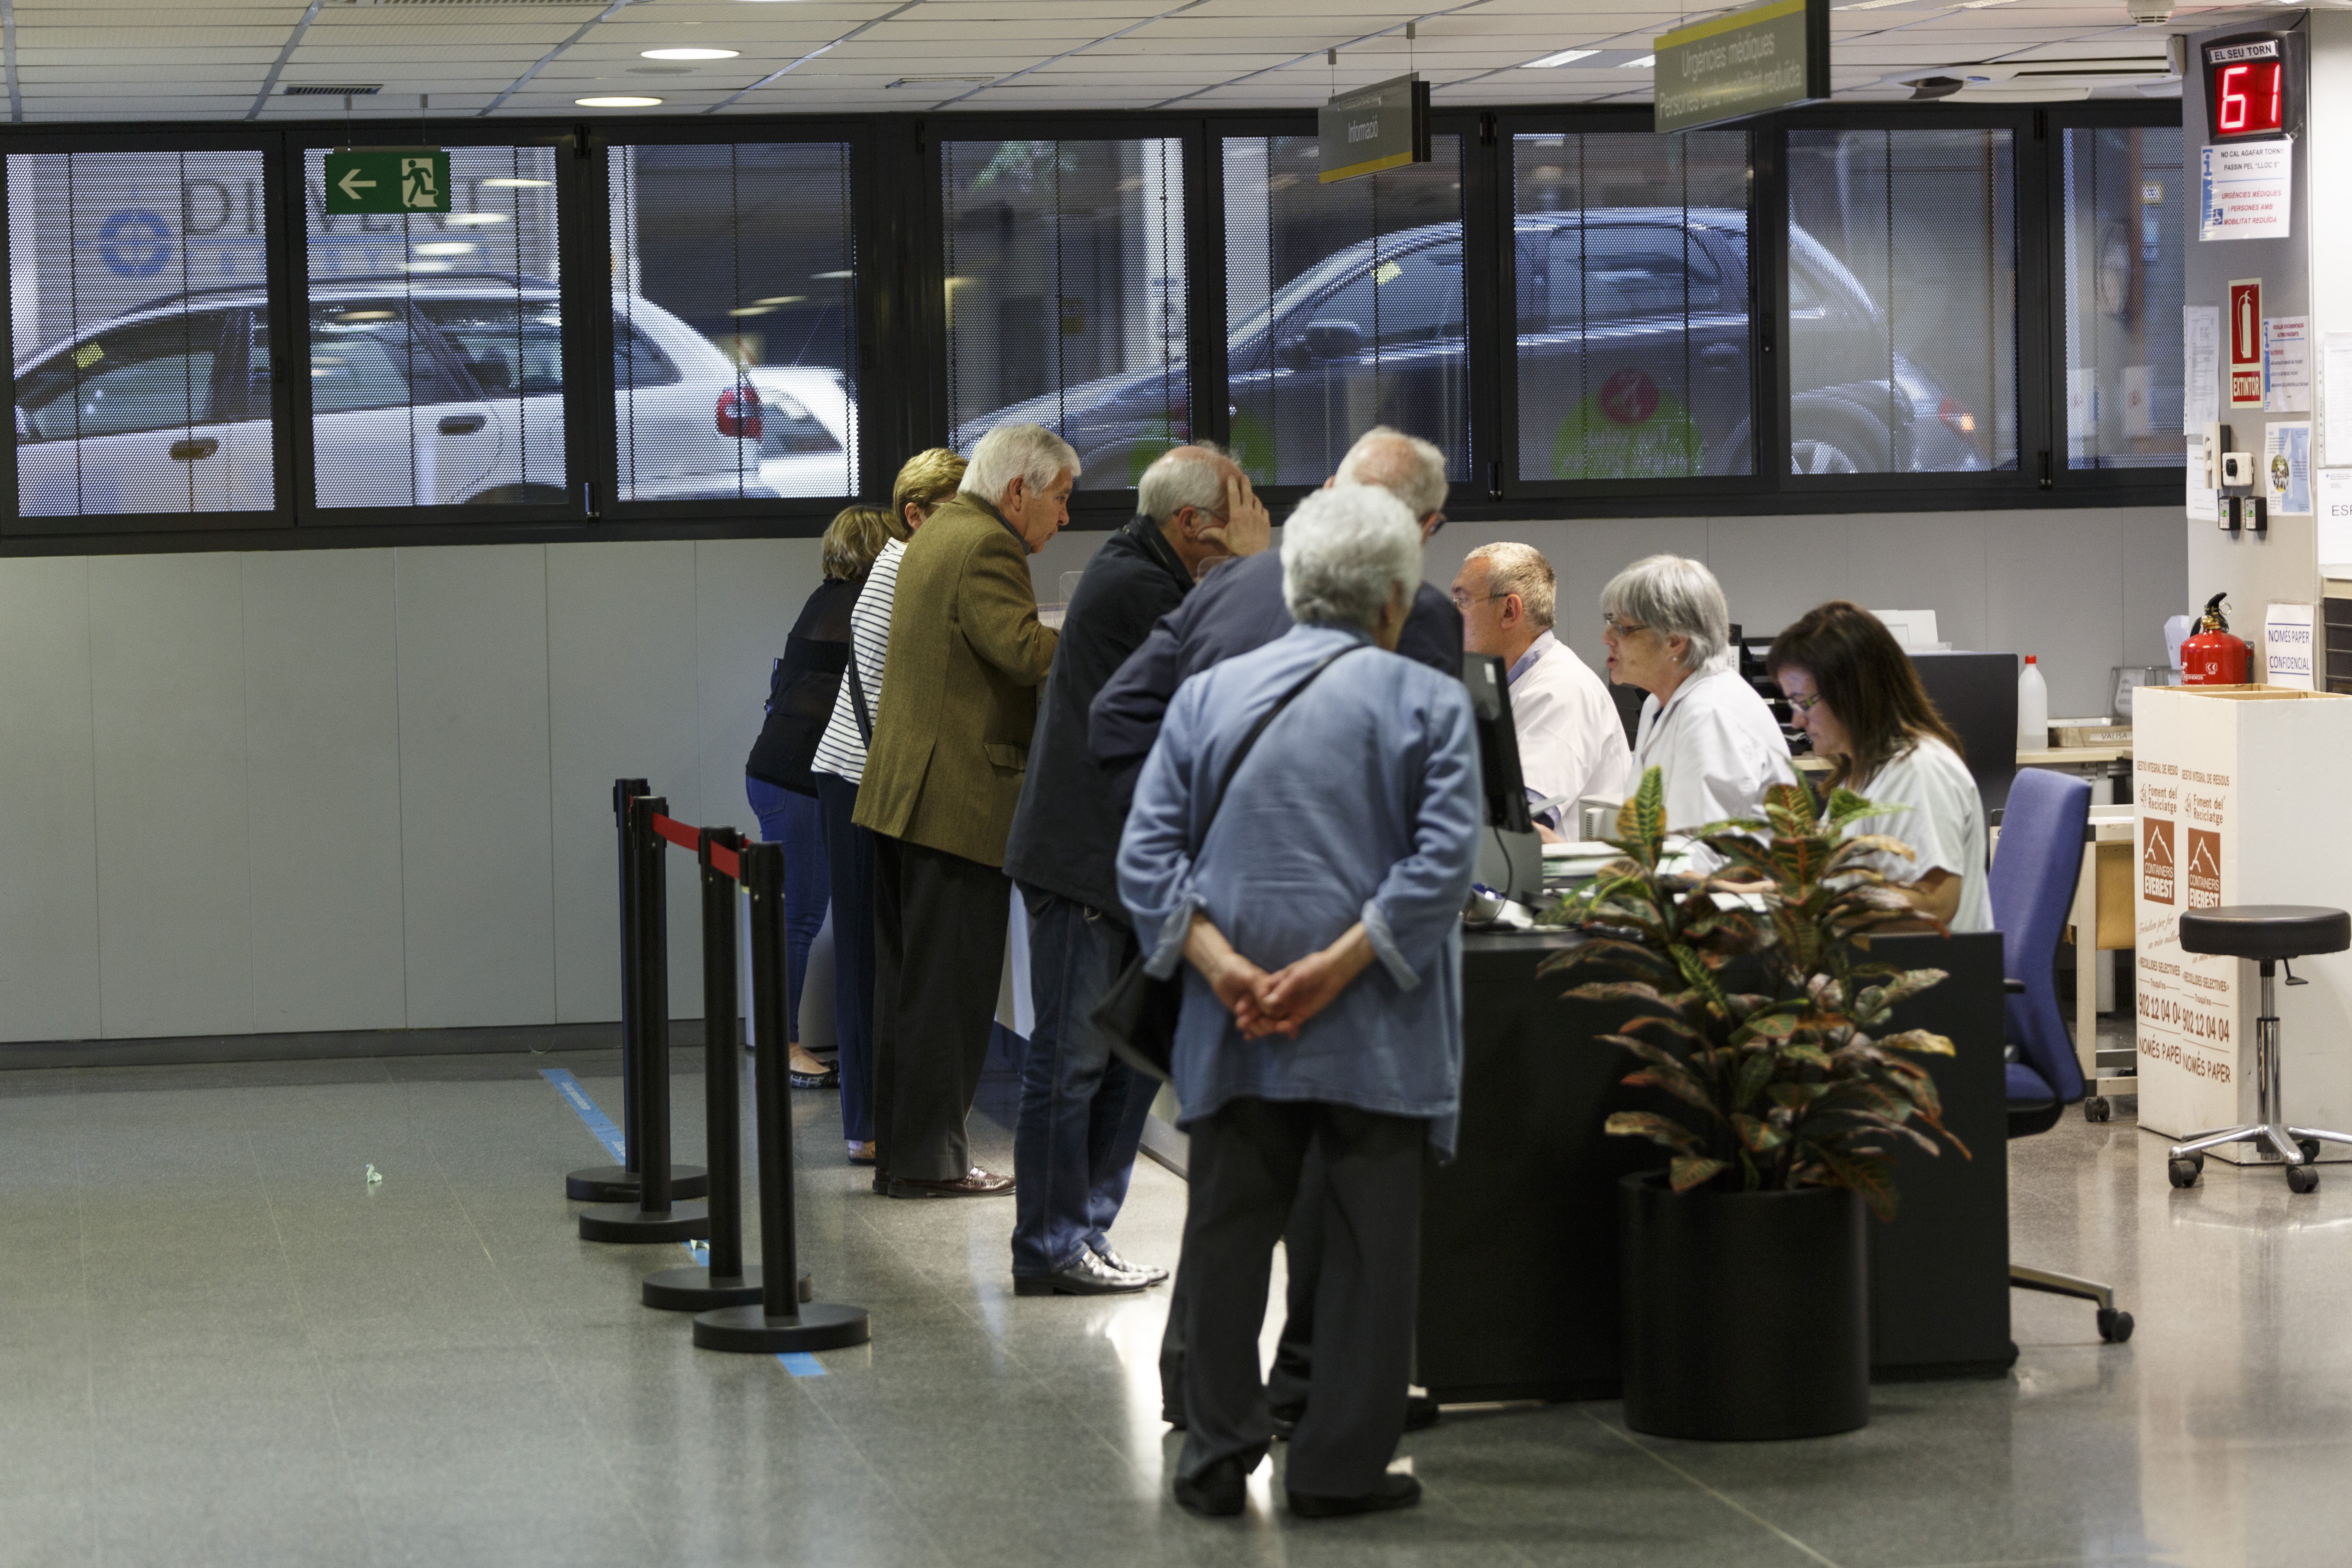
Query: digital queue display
column 2246, row 87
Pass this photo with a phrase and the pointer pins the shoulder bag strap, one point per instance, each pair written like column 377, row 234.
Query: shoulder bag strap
column 1242, row 753
column 857, row 702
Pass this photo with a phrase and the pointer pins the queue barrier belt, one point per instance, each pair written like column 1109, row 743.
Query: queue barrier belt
column 723, row 861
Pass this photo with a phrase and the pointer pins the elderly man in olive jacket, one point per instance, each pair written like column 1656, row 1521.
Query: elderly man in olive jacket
column 942, row 776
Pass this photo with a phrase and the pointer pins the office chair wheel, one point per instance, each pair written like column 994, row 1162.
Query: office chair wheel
column 2115, row 1325
column 2184, row 1172
column 2310, row 1147
column 2097, row 1108
column 2301, row 1179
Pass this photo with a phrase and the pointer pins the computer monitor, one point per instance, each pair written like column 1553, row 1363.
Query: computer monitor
column 1510, row 856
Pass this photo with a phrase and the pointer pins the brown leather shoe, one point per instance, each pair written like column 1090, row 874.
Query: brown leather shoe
column 973, row 1184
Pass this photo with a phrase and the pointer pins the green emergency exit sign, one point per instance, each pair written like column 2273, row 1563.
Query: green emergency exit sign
column 388, row 179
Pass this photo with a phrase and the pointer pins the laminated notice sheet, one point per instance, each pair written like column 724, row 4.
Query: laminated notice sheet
column 2286, row 468
column 2286, row 360
column 2200, row 368
column 2245, row 190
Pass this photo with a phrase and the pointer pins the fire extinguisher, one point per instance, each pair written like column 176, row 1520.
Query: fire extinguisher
column 2213, row 656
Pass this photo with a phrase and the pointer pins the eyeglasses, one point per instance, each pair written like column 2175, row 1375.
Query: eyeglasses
column 1463, row 601
column 1436, row 525
column 1806, row 704
column 1623, row 628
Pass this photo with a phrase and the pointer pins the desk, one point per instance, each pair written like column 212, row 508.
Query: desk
column 2103, row 923
column 1519, row 1279
column 2092, row 763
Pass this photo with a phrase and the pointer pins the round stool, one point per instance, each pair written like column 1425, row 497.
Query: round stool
column 2272, row 936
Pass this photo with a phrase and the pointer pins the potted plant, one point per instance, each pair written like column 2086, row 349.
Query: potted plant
column 1746, row 1295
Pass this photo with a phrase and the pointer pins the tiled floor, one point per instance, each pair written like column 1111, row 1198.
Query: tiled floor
column 218, row 1345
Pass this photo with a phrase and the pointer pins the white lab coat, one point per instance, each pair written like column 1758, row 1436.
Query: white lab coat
column 1571, row 741
column 1945, row 827
column 1720, row 748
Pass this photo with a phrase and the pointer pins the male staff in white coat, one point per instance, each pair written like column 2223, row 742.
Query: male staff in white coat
column 1571, row 744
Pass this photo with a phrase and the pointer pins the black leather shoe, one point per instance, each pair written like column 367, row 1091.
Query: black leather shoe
column 1394, row 1491
column 1217, row 1493
column 974, row 1184
column 1090, row 1276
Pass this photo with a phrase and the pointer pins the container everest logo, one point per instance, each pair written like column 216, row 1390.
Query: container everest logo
column 2155, row 859
column 2204, row 869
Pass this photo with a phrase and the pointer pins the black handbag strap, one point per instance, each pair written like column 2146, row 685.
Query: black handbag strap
column 1241, row 754
column 857, row 700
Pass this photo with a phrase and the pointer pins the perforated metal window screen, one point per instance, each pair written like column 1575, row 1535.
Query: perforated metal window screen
column 2122, row 190
column 436, row 345
column 1629, row 264
column 140, row 309
column 1902, row 301
column 1343, row 307
column 1066, row 293
column 734, row 339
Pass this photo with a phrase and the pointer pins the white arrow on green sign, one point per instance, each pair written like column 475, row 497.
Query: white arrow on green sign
column 388, row 179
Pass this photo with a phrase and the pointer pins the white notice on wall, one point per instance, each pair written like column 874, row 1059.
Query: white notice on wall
column 2286, row 468
column 2200, row 368
column 2286, row 360
column 2245, row 192
column 2336, row 397
column 2286, row 645
column 2204, row 500
column 2334, row 499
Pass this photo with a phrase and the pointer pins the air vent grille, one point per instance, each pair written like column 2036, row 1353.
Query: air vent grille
column 333, row 89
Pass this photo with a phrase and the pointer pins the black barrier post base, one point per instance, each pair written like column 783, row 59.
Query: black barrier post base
column 818, row 1326
column 626, row 1222
column 693, row 1290
column 619, row 1185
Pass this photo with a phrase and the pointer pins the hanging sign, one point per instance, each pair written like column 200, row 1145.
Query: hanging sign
column 1736, row 66
column 1384, row 126
column 2245, row 328
column 388, row 179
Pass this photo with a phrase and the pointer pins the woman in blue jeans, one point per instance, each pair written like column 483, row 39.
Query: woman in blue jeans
column 776, row 777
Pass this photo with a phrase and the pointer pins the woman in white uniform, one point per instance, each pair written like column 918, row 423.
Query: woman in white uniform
column 1859, row 699
column 1669, row 632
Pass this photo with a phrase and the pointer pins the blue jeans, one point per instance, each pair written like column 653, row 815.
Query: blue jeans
column 790, row 819
column 849, row 857
column 1082, row 1109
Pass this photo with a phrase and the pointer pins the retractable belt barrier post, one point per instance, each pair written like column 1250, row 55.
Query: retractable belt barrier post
column 618, row 1183
column 780, row 1321
column 654, row 1215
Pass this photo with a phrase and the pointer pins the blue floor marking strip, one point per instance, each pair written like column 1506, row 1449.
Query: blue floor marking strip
column 800, row 1363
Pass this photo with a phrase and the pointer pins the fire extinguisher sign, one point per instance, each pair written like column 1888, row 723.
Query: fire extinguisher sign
column 2246, row 388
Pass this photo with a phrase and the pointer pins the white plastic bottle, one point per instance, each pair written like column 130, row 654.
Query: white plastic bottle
column 2032, row 708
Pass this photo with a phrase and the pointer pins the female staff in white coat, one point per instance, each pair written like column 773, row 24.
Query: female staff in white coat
column 1669, row 633
column 1857, row 695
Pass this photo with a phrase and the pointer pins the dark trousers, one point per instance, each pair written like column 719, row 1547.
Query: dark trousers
column 1082, row 1109
column 1294, row 1354
column 1245, row 1166
column 849, row 868
column 939, row 939
column 790, row 819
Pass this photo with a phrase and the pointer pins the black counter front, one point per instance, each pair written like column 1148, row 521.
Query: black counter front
column 1518, row 1281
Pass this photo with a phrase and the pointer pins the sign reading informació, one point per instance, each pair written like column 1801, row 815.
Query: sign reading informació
column 1749, row 62
column 388, row 179
column 1384, row 126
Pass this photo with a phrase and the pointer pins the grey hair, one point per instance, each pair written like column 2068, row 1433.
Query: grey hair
column 1027, row 452
column 1192, row 476
column 1676, row 598
column 1346, row 552
column 1521, row 569
column 1408, row 467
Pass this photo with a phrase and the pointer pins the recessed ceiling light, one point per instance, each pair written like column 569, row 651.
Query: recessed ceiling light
column 616, row 102
column 1561, row 59
column 689, row 54
column 1645, row 63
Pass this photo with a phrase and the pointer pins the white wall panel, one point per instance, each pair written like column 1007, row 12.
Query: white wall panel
column 2059, row 597
column 621, row 703
column 746, row 595
column 476, row 866
column 1921, row 561
column 174, row 884
column 322, row 756
column 1774, row 569
column 48, row 832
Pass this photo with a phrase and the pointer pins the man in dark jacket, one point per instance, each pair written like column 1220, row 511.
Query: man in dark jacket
column 1082, row 1110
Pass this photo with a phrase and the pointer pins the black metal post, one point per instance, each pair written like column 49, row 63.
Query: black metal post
column 618, row 1183
column 780, row 1321
column 726, row 1282
column 655, row 1214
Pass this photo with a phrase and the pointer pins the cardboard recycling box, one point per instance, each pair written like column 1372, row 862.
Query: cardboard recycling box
column 2238, row 796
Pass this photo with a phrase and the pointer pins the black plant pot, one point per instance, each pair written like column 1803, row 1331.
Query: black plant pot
column 1746, row 1314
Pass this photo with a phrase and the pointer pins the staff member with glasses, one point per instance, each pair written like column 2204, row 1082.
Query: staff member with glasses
column 1668, row 631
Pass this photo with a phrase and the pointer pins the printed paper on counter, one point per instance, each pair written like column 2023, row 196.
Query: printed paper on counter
column 2246, row 191
column 2286, row 645
column 2286, row 468
column 2286, row 353
column 2201, row 366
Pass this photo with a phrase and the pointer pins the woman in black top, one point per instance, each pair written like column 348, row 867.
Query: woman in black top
column 800, row 693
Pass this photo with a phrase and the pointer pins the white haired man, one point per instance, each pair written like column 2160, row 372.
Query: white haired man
column 1571, row 744
column 942, row 776
column 1322, row 904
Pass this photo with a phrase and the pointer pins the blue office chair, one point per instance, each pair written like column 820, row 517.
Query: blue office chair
column 2031, row 887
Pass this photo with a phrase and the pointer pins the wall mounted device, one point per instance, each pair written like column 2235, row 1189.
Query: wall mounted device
column 2237, row 470
column 2252, row 89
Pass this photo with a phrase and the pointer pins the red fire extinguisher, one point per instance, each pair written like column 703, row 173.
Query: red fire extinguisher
column 2213, row 657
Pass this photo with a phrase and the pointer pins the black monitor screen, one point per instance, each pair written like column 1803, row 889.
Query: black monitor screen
column 1498, row 742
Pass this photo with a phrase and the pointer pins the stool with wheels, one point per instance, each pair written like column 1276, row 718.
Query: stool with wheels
column 2272, row 936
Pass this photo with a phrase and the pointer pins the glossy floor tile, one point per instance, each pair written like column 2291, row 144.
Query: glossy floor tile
column 219, row 1344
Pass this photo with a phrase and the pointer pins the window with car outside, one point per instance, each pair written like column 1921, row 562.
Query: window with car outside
column 1343, row 307
column 1902, row 327
column 437, row 342
column 1066, row 292
column 1629, row 264
column 139, row 313
column 733, row 320
column 2122, row 188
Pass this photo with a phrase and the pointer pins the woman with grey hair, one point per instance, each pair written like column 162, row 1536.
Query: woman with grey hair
column 1669, row 632
column 1301, row 842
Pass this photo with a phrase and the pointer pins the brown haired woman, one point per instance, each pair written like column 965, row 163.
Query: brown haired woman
column 1857, row 696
